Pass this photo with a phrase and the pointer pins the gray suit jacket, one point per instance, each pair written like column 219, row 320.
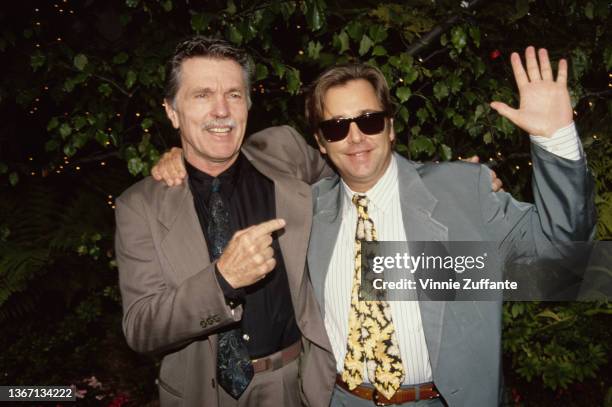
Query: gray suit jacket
column 453, row 201
column 172, row 303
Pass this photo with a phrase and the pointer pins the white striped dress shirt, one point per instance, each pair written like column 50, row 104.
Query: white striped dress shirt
column 386, row 212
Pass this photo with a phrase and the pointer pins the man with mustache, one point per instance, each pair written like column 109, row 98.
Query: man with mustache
column 206, row 280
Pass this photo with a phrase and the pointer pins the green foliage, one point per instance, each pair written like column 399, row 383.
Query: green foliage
column 557, row 342
column 89, row 107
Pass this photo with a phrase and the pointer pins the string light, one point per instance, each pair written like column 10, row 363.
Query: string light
column 110, row 197
column 31, row 158
column 38, row 23
column 595, row 136
column 46, row 87
column 298, row 26
column 137, row 114
column 78, row 168
column 59, row 39
column 401, row 80
column 102, row 163
column 529, row 163
column 32, row 173
column 518, row 168
column 301, row 52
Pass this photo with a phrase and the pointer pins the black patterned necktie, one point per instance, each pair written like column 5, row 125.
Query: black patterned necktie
column 234, row 367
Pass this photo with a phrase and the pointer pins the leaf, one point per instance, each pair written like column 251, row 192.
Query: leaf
column 475, row 34
column 167, row 5
column 378, row 33
column 344, row 41
column 65, row 130
column 261, row 72
column 53, row 123
column 130, row 79
column 235, row 35
column 105, row 89
column 487, row 138
column 199, row 22
column 440, row 90
column 314, row 48
column 37, row 60
column 132, row 3
column 379, row 50
column 479, row 112
column 588, row 10
column 13, row 178
column 458, row 38
column 146, row 123
column 355, row 30
column 365, row 44
column 135, row 165
column 403, row 93
column 279, row 68
column 69, row 150
column 411, row 76
column 313, row 16
column 420, row 144
column 79, row 122
column 120, row 58
column 547, row 313
column 80, row 61
column 422, row 115
column 293, row 81
column 458, row 120
column 446, row 152
column 231, row 7
column 607, row 57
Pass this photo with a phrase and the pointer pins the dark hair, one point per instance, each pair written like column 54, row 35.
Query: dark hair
column 200, row 46
column 340, row 75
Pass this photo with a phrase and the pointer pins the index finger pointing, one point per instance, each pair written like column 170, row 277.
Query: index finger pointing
column 268, row 227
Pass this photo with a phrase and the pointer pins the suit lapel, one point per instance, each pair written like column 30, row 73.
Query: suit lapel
column 417, row 208
column 325, row 229
column 184, row 245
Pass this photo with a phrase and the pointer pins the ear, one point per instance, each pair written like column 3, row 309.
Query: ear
column 391, row 130
column 171, row 113
column 320, row 143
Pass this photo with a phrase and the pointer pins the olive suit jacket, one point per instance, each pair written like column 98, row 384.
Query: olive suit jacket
column 172, row 302
column 454, row 202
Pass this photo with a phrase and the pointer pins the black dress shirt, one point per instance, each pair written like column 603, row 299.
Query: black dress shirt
column 268, row 320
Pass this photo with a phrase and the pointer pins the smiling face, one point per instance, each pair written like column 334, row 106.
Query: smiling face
column 210, row 109
column 360, row 159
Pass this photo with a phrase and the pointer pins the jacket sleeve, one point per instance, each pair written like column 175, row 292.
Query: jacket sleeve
column 285, row 144
column 159, row 315
column 564, row 209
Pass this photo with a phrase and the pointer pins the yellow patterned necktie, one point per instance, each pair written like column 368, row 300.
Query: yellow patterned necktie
column 371, row 339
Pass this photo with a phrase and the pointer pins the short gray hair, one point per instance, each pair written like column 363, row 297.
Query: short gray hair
column 200, row 46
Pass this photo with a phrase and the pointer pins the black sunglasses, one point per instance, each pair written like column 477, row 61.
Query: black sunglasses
column 337, row 129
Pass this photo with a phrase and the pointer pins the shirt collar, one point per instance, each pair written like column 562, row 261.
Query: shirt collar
column 382, row 193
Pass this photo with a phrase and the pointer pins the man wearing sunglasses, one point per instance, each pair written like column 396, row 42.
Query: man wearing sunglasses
column 426, row 352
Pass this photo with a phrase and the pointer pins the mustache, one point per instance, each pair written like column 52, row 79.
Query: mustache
column 211, row 124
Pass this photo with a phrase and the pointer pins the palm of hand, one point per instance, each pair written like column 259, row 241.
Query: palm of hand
column 544, row 108
column 544, row 102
